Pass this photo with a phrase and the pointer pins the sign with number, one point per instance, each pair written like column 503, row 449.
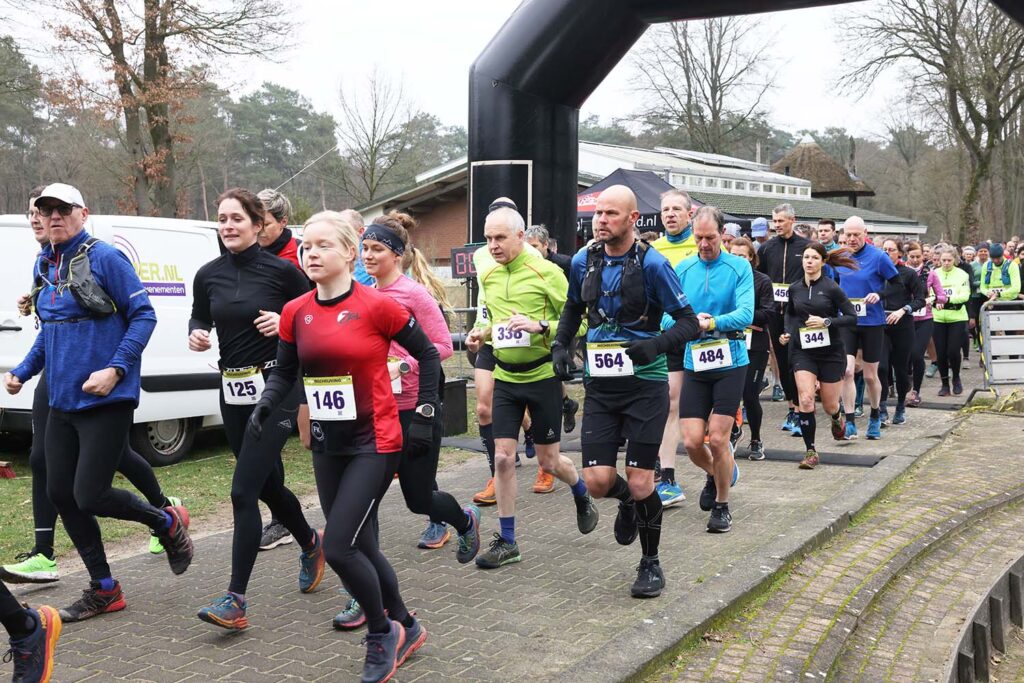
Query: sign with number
column 330, row 398
column 396, row 383
column 242, row 387
column 483, row 315
column 748, row 334
column 608, row 359
column 504, row 337
column 814, row 337
column 711, row 355
column 462, row 261
column 860, row 306
column 780, row 290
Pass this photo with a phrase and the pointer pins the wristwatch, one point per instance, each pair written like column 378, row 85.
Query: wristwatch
column 404, row 367
column 120, row 372
column 426, row 410
column 545, row 327
column 908, row 309
column 828, row 322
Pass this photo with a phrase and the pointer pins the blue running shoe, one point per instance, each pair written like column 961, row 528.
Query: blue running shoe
column 851, row 431
column 900, row 416
column 787, row 424
column 874, row 429
column 778, row 394
column 382, row 653
column 434, row 536
column 883, row 414
column 528, row 444
column 311, row 564
column 33, row 654
column 670, row 493
column 858, row 410
column 796, row 431
column 227, row 611
column 735, row 473
column 469, row 542
column 415, row 636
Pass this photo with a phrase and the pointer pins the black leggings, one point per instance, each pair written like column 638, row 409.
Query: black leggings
column 351, row 488
column 922, row 335
column 752, row 391
column 949, row 341
column 13, row 616
column 417, row 475
column 899, row 344
column 788, row 378
column 132, row 465
column 258, row 476
column 83, row 450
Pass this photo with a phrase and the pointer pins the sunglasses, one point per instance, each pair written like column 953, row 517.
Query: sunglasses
column 64, row 210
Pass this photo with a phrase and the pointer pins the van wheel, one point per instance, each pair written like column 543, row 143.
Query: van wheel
column 164, row 442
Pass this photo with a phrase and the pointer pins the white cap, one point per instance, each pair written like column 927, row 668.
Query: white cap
column 62, row 192
column 732, row 229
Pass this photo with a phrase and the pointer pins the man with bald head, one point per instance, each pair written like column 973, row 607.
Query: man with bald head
column 624, row 286
column 864, row 286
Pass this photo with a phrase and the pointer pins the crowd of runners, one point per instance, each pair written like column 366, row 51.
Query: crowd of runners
column 341, row 335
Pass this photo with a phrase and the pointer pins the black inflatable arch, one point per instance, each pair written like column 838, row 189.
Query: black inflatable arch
column 527, row 86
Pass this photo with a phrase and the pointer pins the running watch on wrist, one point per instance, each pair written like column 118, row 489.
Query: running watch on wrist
column 426, row 410
column 908, row 309
column 828, row 322
column 545, row 327
column 120, row 372
column 404, row 367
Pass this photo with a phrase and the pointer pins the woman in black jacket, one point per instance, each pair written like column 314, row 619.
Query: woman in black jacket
column 901, row 297
column 817, row 307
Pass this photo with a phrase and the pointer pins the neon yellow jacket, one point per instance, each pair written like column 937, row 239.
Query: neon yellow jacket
column 957, row 286
column 676, row 248
column 992, row 277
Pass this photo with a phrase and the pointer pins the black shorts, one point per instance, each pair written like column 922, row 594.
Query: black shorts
column 618, row 408
column 716, row 392
column 485, row 358
column 827, row 365
column 543, row 398
column 675, row 361
column 868, row 340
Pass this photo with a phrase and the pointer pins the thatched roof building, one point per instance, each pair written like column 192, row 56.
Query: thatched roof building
column 829, row 178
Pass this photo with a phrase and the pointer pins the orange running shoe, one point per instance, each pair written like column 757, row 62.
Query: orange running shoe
column 545, row 482
column 487, row 496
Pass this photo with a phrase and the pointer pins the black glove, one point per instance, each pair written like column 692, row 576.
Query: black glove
column 260, row 412
column 643, row 352
column 421, row 434
column 562, row 363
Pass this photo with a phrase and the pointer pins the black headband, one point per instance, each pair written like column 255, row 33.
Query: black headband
column 386, row 236
column 502, row 204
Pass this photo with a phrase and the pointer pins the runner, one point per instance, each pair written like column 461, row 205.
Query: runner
column 676, row 245
column 525, row 295
column 757, row 346
column 951, row 318
column 624, row 286
column 817, row 354
column 720, row 287
column 827, row 234
column 96, row 321
column 241, row 294
column 33, row 635
column 357, row 434
column 1000, row 278
column 900, row 299
column 864, row 287
column 923, row 323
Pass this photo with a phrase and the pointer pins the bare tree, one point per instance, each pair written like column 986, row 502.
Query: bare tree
column 153, row 49
column 961, row 56
column 704, row 77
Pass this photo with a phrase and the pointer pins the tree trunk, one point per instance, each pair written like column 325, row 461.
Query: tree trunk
column 968, row 224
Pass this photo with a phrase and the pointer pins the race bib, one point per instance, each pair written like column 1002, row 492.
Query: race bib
column 860, row 307
column 780, row 290
column 711, row 355
column 948, row 291
column 242, row 387
column 396, row 383
column 608, row 360
column 748, row 334
column 330, row 399
column 502, row 337
column 814, row 337
column 484, row 317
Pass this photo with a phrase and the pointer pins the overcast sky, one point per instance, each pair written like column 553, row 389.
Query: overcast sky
column 429, row 47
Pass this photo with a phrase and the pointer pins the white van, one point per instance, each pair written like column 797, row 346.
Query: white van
column 179, row 387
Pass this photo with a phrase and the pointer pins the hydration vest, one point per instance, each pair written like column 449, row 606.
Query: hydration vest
column 83, row 285
column 636, row 311
column 1004, row 273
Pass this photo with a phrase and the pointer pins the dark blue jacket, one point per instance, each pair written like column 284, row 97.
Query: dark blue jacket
column 73, row 345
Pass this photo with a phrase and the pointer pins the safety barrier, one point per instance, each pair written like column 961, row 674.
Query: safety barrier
column 1002, row 343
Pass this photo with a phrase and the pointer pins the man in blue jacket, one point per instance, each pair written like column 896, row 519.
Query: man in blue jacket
column 96, row 320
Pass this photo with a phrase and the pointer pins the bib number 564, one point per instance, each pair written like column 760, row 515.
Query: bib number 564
column 608, row 360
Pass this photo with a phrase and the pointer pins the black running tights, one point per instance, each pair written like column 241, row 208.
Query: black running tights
column 350, row 488
column 83, row 450
column 259, row 477
column 418, row 476
column 896, row 350
column 752, row 392
column 922, row 335
column 949, row 340
column 788, row 379
column 13, row 616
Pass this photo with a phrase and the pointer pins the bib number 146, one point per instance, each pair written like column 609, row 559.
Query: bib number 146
column 330, row 398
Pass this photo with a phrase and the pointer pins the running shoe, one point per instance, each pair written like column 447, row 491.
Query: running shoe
column 838, row 424
column 796, row 431
column 944, row 391
column 708, row 494
column 569, row 410
column 735, row 435
column 227, row 611
column 545, row 482
column 657, row 471
column 958, row 387
column 94, row 602
column 810, row 460
column 275, row 534
column 735, row 472
column 415, row 636
column 650, row 580
column 311, row 564
column 858, row 410
column 587, row 514
column 528, row 444
column 756, row 450
column 883, row 415
column 874, row 429
column 434, row 536
column 913, row 399
column 932, row 370
column 626, row 528
column 519, row 463
column 764, row 384
column 382, row 653
column 350, row 618
column 900, row 416
column 778, row 394
column 155, row 546
column 720, row 521
column 851, row 431
column 670, row 493
column 469, row 542
column 31, row 568
column 176, row 541
column 33, row 654
column 498, row 554
column 487, row 496
column 787, row 424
